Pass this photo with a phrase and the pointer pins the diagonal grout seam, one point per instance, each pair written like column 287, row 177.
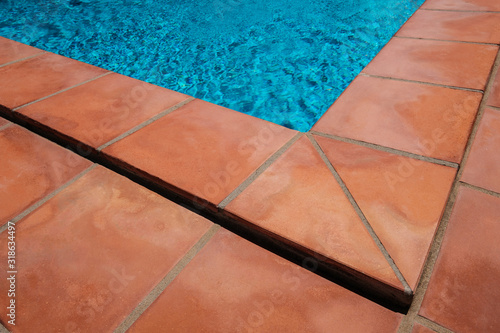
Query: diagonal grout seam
column 460, row 10
column 432, row 325
column 61, row 91
column 361, row 215
column 147, row 122
column 3, row 329
column 445, row 40
column 387, row 149
column 9, row 124
column 496, row 108
column 23, row 59
column 480, row 189
column 47, row 198
column 258, row 172
column 165, row 282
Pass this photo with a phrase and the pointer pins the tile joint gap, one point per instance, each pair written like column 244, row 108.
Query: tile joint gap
column 480, row 189
column 431, row 324
column 23, row 59
column 496, row 108
column 446, row 40
column 9, row 124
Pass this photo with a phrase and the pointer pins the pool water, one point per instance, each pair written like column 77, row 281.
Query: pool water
column 285, row 61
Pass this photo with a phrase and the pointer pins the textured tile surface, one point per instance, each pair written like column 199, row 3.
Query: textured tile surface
column 12, row 51
column 235, row 286
column 458, row 26
column 417, row 118
column 479, row 5
column 202, row 148
column 99, row 111
column 463, row 291
column 402, row 198
column 93, row 252
column 483, row 165
column 29, row 80
column 494, row 98
column 298, row 198
column 31, row 167
column 448, row 63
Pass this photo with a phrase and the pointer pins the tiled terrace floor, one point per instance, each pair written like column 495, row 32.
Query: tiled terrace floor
column 393, row 198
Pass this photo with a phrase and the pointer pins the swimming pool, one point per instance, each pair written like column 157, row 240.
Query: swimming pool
column 285, row 61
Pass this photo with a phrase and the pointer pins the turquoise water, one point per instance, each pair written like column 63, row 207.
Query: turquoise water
column 285, row 61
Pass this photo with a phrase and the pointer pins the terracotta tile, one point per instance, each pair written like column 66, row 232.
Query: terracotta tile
column 31, row 167
column 99, row 111
column 463, row 291
column 494, row 98
column 459, row 26
column 235, row 286
column 479, row 5
column 201, row 148
column 421, row 119
column 483, row 165
column 3, row 122
column 11, row 50
column 417, row 328
column 93, row 252
column 298, row 198
column 31, row 79
column 402, row 198
column 448, row 63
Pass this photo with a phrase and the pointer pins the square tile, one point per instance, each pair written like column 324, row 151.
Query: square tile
column 483, row 165
column 98, row 111
column 235, row 286
column 29, row 80
column 11, row 51
column 463, row 291
column 417, row 118
column 93, row 252
column 494, row 98
column 201, row 149
column 32, row 167
column 297, row 199
column 479, row 5
column 458, row 26
column 447, row 63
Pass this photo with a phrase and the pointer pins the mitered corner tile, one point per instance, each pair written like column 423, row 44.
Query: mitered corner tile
column 32, row 167
column 99, row 111
column 463, row 291
column 403, row 199
column 28, row 80
column 447, row 63
column 465, row 5
column 235, row 286
column 494, row 98
column 202, row 148
column 11, row 51
column 93, row 252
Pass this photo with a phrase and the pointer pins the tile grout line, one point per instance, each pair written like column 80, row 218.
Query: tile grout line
column 479, row 189
column 496, row 108
column 460, row 10
column 421, row 82
column 388, row 150
column 47, row 197
column 429, row 264
column 9, row 124
column 23, row 59
column 165, row 282
column 61, row 91
column 258, row 172
column 445, row 40
column 361, row 215
column 3, row 329
column 147, row 122
column 432, row 325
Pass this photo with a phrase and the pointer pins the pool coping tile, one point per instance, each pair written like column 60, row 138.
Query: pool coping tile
column 11, row 51
column 462, row 5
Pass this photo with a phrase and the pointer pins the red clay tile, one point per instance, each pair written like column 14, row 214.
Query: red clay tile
column 494, row 98
column 479, row 5
column 11, row 51
column 201, row 148
column 298, row 199
column 402, row 198
column 417, row 328
column 463, row 291
column 99, row 111
column 93, row 252
column 3, row 122
column 235, row 286
column 31, row 167
column 457, row 26
column 448, row 63
column 483, row 165
column 417, row 118
column 29, row 80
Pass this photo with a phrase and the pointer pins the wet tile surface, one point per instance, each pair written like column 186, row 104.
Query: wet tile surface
column 94, row 251
column 421, row 119
column 298, row 198
column 456, row 26
column 11, row 51
column 447, row 63
column 31, row 167
column 202, row 148
column 235, row 286
column 463, row 291
column 100, row 110
column 494, row 98
column 483, row 165
column 402, row 198
column 29, row 80
column 479, row 5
